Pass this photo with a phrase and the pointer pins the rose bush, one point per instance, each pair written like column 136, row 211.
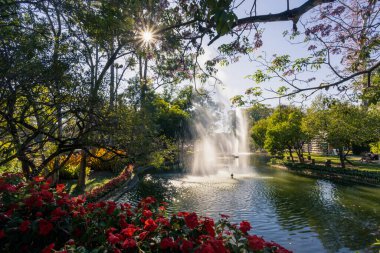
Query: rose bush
column 36, row 217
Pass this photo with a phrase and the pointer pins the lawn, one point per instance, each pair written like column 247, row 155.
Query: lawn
column 357, row 164
column 96, row 178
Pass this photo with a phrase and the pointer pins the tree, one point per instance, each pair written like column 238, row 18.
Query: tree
column 258, row 132
column 284, row 132
column 342, row 125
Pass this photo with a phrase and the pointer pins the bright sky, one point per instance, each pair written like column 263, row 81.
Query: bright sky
column 233, row 75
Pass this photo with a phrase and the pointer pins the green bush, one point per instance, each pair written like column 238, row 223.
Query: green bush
column 71, row 171
column 115, row 165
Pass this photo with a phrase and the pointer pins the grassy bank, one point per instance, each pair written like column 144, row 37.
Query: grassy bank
column 357, row 172
column 95, row 179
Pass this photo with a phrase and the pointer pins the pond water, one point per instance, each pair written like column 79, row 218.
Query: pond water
column 303, row 214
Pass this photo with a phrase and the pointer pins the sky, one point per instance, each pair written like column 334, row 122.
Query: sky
column 233, row 75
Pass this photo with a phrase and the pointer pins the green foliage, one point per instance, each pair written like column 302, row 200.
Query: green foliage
column 71, row 171
column 284, row 130
column 258, row 132
column 375, row 147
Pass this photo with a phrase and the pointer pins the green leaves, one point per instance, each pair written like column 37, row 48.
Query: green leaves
column 259, row 76
column 224, row 21
column 221, row 15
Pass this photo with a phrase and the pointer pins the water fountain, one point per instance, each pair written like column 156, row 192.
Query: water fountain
column 222, row 140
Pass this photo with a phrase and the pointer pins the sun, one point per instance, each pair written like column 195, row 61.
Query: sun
column 146, row 36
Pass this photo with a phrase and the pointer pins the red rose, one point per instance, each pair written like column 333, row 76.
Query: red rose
column 255, row 242
column 150, row 225
column 186, row 246
column 245, row 226
column 167, row 243
column 147, row 213
column 163, row 221
column 44, row 227
column 48, row 248
column 129, row 231
column 143, row 235
column 2, row 234
column 209, row 226
column 24, row 226
column 113, row 239
column 59, row 188
column 207, row 248
column 191, row 220
column 111, row 207
column 38, row 179
column 57, row 214
column 129, row 243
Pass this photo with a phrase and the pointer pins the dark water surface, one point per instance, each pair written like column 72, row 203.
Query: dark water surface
column 302, row 214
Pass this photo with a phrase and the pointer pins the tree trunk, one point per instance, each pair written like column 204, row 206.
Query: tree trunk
column 82, row 172
column 291, row 154
column 112, row 87
column 60, row 131
column 341, row 157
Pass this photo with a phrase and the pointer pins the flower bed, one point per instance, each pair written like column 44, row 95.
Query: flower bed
column 35, row 217
column 99, row 192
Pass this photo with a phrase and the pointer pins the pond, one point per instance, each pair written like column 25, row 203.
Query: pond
column 303, row 214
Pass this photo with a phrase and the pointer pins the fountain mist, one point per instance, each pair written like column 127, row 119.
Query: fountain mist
column 222, row 141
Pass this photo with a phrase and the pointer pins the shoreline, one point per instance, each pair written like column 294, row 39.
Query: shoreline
column 322, row 172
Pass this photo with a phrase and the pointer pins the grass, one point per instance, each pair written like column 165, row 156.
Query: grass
column 96, row 178
column 335, row 161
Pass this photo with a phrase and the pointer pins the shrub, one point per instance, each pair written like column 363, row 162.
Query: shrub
column 35, row 217
column 108, row 161
column 70, row 169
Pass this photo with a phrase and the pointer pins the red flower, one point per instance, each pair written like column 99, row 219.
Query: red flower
column 207, row 248
column 44, row 227
column 191, row 220
column 209, row 226
column 113, row 239
column 186, row 246
column 163, row 221
column 167, row 243
column 48, row 248
column 34, row 201
column 59, row 188
column 255, row 242
column 24, row 226
column 245, row 226
column 57, row 214
column 122, row 222
column 111, row 207
column 143, row 235
column 150, row 225
column 129, row 231
column 2, row 234
column 47, row 195
column 45, row 186
column 147, row 213
column 38, row 179
column 129, row 243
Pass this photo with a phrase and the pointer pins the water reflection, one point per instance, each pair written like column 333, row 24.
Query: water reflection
column 303, row 214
